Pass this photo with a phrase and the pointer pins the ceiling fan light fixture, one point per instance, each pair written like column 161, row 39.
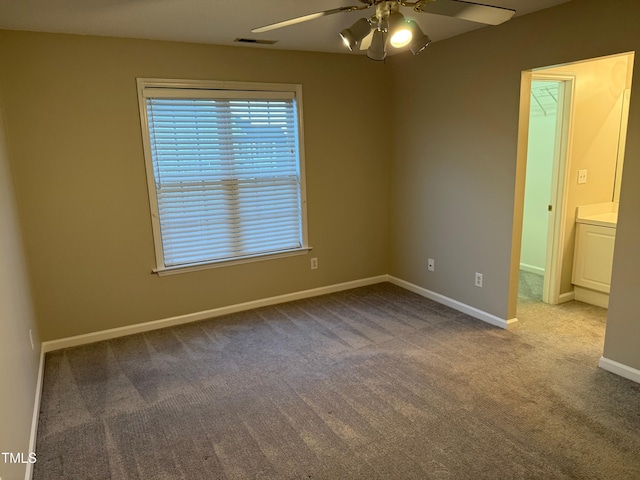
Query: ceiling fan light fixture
column 420, row 40
column 401, row 38
column 388, row 25
column 400, row 30
column 377, row 50
column 355, row 33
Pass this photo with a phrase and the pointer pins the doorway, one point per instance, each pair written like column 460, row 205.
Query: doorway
column 572, row 121
column 550, row 109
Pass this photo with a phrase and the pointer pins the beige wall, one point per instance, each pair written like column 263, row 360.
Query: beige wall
column 454, row 164
column 19, row 363
column 447, row 118
column 599, row 86
column 74, row 128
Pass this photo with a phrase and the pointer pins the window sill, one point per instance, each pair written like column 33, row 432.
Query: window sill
column 225, row 263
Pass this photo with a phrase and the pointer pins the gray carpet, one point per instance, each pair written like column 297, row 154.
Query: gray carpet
column 530, row 287
column 372, row 383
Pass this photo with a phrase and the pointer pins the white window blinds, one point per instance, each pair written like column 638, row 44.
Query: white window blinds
column 226, row 173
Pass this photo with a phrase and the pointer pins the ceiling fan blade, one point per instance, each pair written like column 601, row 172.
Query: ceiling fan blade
column 306, row 18
column 474, row 12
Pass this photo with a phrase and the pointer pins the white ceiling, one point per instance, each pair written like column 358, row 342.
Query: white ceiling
column 220, row 21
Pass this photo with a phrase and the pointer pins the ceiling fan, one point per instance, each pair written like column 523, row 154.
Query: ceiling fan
column 389, row 26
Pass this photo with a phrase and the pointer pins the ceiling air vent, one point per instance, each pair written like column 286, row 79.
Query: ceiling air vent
column 255, row 41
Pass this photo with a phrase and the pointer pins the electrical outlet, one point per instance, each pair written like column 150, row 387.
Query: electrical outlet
column 582, row 177
column 32, row 347
column 431, row 265
column 314, row 263
column 478, row 280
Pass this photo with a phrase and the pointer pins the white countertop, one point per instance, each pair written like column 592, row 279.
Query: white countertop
column 603, row 219
column 602, row 214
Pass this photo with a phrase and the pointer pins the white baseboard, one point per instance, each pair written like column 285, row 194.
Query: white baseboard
column 101, row 335
column 36, row 414
column 566, row 297
column 586, row 295
column 455, row 304
column 196, row 316
column 532, row 269
column 621, row 369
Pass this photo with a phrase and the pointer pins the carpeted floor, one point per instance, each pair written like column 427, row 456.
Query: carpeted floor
column 372, row 383
column 530, row 288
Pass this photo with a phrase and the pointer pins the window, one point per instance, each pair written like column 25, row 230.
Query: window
column 224, row 171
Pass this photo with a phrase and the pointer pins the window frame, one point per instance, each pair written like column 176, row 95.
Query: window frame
column 144, row 84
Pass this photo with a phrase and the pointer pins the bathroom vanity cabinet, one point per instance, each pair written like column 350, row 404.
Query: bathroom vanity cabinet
column 593, row 256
